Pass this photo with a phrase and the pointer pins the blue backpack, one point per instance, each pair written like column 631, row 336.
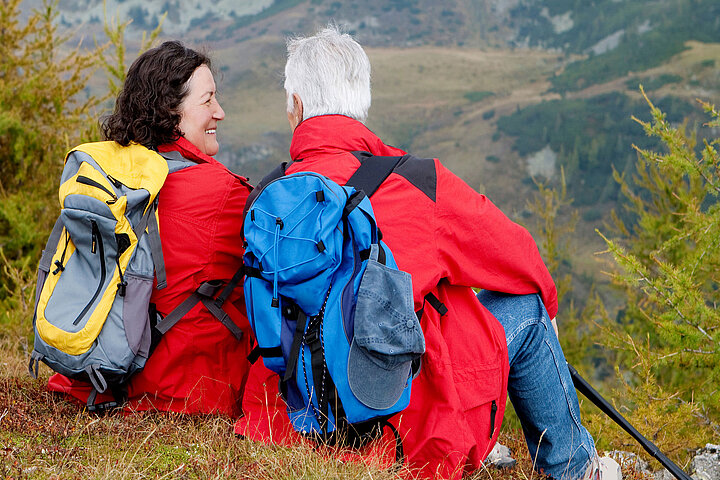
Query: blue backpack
column 331, row 312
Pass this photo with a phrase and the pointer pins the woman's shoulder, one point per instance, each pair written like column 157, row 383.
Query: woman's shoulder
column 213, row 173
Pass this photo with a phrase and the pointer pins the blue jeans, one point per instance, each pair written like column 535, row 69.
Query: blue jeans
column 540, row 387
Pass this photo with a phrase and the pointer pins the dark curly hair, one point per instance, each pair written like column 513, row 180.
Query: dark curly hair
column 147, row 109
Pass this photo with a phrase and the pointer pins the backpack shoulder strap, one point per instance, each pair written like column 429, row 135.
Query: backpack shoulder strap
column 51, row 246
column 372, row 172
column 176, row 161
column 205, row 293
column 277, row 172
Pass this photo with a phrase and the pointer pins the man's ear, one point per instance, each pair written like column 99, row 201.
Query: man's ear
column 296, row 116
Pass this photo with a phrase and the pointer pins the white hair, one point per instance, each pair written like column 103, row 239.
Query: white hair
column 330, row 72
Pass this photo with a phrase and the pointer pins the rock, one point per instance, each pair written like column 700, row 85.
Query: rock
column 630, row 459
column 706, row 463
column 663, row 475
column 501, row 457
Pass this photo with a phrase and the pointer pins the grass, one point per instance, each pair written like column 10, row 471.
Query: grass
column 44, row 436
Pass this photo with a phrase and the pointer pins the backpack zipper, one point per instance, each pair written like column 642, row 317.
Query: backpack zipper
column 96, row 247
column 115, row 182
column 118, row 184
column 322, row 178
column 89, row 181
column 123, row 243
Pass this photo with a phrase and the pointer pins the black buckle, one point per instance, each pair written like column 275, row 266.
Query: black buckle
column 102, row 408
column 291, row 311
column 312, row 340
column 209, row 288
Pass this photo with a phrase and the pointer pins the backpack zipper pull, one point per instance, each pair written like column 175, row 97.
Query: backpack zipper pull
column 123, row 242
column 122, row 286
column 115, row 181
column 93, row 245
column 60, row 267
column 59, row 263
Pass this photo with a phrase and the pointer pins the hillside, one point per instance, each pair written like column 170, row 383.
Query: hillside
column 502, row 91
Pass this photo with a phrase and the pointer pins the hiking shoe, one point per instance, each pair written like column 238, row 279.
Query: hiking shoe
column 500, row 457
column 603, row 468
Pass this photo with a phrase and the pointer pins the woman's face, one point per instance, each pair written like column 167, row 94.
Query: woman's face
column 200, row 112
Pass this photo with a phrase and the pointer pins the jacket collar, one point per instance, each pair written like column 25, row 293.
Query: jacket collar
column 329, row 134
column 187, row 150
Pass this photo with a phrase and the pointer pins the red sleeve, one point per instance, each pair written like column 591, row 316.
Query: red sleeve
column 481, row 247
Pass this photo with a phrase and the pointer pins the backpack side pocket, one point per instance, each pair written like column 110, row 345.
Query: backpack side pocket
column 135, row 316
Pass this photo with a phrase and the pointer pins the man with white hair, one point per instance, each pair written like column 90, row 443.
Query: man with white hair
column 450, row 239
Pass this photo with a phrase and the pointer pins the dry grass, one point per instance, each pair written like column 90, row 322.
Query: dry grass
column 45, row 436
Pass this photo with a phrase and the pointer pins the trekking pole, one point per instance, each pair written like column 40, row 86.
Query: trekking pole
column 591, row 394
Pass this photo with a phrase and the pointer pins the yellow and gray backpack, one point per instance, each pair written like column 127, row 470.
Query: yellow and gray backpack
column 93, row 318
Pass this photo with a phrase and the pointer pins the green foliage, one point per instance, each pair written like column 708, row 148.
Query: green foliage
column 590, row 137
column 668, row 27
column 41, row 96
column 669, row 260
column 113, row 62
column 555, row 222
column 548, row 206
column 591, row 21
column 665, row 338
column 477, row 96
column 44, row 110
column 633, row 54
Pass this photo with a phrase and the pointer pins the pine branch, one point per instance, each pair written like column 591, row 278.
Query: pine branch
column 629, row 261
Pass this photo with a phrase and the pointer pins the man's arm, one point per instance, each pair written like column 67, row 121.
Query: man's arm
column 481, row 247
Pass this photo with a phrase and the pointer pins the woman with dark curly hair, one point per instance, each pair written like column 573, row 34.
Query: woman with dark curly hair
column 169, row 103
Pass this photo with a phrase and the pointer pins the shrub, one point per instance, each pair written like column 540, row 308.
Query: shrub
column 667, row 260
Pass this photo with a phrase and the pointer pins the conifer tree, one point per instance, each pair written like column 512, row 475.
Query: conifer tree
column 669, row 263
column 45, row 109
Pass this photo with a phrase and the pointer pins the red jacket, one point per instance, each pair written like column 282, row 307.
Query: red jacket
column 450, row 239
column 198, row 366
